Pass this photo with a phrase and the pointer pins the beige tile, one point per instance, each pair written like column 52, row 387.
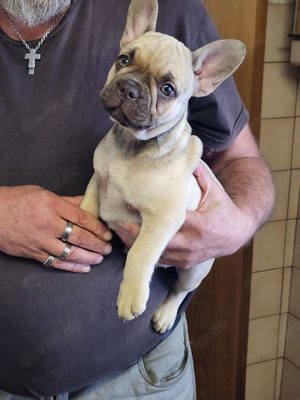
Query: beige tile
column 295, row 52
column 282, row 335
column 290, row 386
column 279, row 371
column 279, row 25
column 294, row 194
column 279, row 90
column 296, row 256
column 281, row 1
column 260, row 381
column 289, row 242
column 286, row 285
column 281, row 181
column 268, row 247
column 294, row 306
column 296, row 145
column 292, row 348
column 263, row 339
column 265, row 293
column 298, row 97
column 276, row 142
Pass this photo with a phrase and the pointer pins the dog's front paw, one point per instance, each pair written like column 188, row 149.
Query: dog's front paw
column 132, row 299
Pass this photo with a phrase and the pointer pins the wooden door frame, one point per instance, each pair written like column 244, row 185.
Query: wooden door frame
column 219, row 313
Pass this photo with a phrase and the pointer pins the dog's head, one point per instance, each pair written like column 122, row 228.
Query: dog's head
column 154, row 76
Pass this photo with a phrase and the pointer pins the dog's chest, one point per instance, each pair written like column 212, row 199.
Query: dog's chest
column 120, row 182
column 124, row 181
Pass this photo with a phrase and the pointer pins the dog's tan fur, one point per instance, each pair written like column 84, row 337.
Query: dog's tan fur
column 151, row 168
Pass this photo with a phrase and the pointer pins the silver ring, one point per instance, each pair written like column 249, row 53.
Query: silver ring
column 67, row 232
column 49, row 261
column 66, row 252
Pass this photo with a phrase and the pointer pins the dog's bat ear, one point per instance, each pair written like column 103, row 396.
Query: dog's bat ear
column 141, row 18
column 214, row 63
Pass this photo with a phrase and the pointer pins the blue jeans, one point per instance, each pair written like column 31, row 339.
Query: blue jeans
column 165, row 373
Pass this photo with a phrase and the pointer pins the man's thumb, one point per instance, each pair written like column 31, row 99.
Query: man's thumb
column 206, row 180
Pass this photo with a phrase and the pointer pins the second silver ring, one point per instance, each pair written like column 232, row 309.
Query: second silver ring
column 66, row 252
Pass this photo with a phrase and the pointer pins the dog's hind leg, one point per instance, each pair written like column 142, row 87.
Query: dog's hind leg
column 188, row 280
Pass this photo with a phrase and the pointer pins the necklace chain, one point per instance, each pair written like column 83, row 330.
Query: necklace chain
column 43, row 38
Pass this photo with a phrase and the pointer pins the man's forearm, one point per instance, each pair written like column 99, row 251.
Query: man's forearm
column 248, row 182
column 246, row 178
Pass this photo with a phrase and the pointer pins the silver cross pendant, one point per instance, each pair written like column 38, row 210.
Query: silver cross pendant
column 31, row 57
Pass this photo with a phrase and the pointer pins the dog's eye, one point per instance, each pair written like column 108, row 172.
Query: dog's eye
column 123, row 61
column 168, row 90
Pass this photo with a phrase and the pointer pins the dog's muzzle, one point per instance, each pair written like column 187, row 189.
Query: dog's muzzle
column 128, row 101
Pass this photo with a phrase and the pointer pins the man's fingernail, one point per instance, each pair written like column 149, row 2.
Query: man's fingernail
column 99, row 260
column 107, row 249
column 86, row 269
column 107, row 235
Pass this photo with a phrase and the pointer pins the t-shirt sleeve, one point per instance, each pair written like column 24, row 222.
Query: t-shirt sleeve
column 218, row 118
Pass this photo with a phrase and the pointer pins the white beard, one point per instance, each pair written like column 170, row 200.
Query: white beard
column 34, row 12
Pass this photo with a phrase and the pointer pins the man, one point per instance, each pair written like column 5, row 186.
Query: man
column 59, row 331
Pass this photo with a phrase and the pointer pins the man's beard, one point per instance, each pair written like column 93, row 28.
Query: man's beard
column 34, row 12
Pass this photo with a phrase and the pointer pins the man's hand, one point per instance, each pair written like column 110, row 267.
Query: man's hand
column 217, row 228
column 33, row 220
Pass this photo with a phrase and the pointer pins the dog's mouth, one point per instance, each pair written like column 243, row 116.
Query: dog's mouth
column 119, row 115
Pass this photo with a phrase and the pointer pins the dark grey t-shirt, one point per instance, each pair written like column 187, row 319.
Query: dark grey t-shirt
column 59, row 331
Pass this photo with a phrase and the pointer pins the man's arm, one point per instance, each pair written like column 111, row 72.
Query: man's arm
column 228, row 215
column 246, row 177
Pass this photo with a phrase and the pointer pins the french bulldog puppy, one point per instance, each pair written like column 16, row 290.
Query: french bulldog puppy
column 148, row 157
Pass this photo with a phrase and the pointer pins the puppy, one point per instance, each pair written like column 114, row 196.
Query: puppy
column 148, row 157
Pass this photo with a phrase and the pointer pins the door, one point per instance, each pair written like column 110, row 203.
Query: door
column 219, row 313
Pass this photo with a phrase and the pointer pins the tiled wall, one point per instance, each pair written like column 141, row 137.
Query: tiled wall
column 274, row 329
column 290, row 385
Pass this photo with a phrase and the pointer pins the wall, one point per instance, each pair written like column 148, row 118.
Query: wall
column 290, row 384
column 272, row 322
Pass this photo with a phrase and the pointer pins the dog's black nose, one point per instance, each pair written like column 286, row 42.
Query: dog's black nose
column 129, row 89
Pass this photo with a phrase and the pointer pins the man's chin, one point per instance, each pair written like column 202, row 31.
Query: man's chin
column 34, row 12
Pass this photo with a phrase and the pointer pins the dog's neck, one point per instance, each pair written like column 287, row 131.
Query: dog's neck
column 173, row 139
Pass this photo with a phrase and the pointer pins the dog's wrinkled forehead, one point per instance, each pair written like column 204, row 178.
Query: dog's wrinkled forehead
column 162, row 57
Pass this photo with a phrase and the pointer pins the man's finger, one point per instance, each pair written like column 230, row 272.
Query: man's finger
column 76, row 254
column 77, row 216
column 64, row 265
column 70, row 267
column 128, row 241
column 128, row 233
column 89, row 241
column 83, row 238
column 130, row 229
column 177, row 243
